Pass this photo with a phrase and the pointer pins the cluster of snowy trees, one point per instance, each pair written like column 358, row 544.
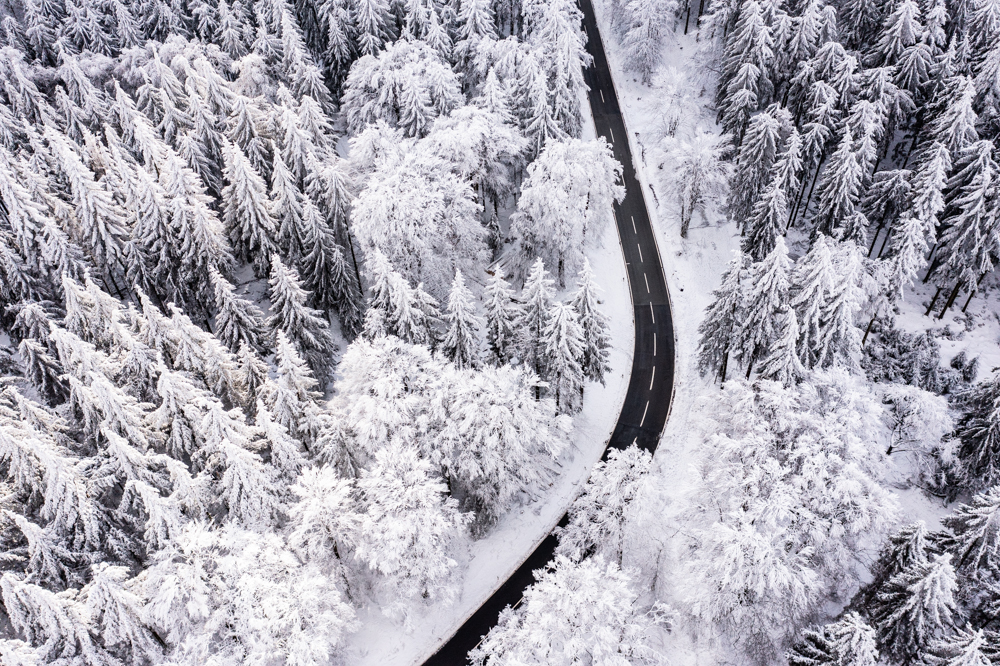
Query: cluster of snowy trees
column 195, row 199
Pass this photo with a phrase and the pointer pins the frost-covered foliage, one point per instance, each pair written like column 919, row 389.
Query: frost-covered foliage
column 574, row 611
column 789, row 496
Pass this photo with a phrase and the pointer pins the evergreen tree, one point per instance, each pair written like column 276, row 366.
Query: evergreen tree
column 562, row 350
column 955, row 127
column 305, row 327
column 251, row 374
column 718, row 330
column 501, row 313
column 291, row 398
column 461, row 341
column 534, row 316
column 782, row 362
column 395, row 307
column 965, row 647
column 916, row 607
column 976, row 527
column 237, row 320
column 839, row 192
column 766, row 294
column 596, row 337
column 770, row 215
column 900, row 31
column 246, row 215
column 758, row 152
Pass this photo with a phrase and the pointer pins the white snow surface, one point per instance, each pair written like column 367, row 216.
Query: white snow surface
column 493, row 558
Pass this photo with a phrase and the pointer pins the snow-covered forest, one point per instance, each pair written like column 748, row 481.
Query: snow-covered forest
column 294, row 302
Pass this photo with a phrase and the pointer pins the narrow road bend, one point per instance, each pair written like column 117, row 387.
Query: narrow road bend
column 650, row 389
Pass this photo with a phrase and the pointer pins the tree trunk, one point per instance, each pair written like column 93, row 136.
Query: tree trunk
column 749, row 369
column 868, row 329
column 812, row 187
column 968, row 300
column 687, row 19
column 951, row 299
column 933, row 301
column 725, row 367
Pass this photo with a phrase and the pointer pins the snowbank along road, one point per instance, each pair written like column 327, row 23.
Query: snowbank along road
column 650, row 390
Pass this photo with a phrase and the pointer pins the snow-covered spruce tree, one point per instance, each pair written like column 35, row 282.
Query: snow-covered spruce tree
column 695, row 172
column 916, row 607
column 605, row 626
column 246, row 212
column 305, row 327
column 766, row 295
column 326, row 273
column 757, row 155
column 770, row 215
column 599, row 515
column 237, row 320
column 745, row 82
column 838, row 342
column 461, row 339
column 717, row 333
column 292, row 397
column 847, row 641
column 395, row 308
column 562, row 350
column 839, row 194
column 596, row 337
column 782, row 362
column 647, row 22
column 965, row 647
column 566, row 204
column 812, row 281
column 976, row 542
column 536, row 297
column 978, row 431
column 501, row 312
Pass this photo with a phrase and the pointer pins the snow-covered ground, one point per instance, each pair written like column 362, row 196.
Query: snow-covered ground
column 493, row 558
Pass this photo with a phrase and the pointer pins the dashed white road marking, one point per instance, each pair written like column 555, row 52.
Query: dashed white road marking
column 644, row 414
column 602, row 96
column 612, row 134
column 652, row 377
column 647, row 285
column 640, row 252
column 633, row 225
column 651, row 313
column 654, row 343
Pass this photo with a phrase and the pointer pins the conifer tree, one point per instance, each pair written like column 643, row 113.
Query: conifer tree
column 594, row 323
column 534, row 317
column 770, row 215
column 757, row 155
column 245, row 212
column 782, row 362
column 562, row 349
column 955, row 127
column 501, row 312
column 461, row 340
column 237, row 320
column 916, row 607
column 965, row 647
column 326, row 273
column 286, row 210
column 766, row 293
column 292, row 397
column 305, row 327
column 976, row 527
column 717, row 333
column 839, row 191
column 251, row 374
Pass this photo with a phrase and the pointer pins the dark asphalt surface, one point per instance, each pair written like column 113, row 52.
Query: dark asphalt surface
column 650, row 390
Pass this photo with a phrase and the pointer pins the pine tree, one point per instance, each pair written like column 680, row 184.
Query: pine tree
column 305, row 327
column 245, row 211
column 286, row 210
column 838, row 342
column 782, row 363
column 237, row 320
column 562, row 350
column 901, row 30
column 251, row 374
column 326, row 273
column 965, row 647
column 916, row 607
column 461, row 341
column 758, row 152
column 978, row 431
column 766, row 293
column 717, row 333
column 501, row 313
column 596, row 337
column 642, row 42
column 292, row 397
column 372, row 21
column 955, row 127
column 534, row 317
column 43, row 371
column 839, row 191
column 976, row 527
column 770, row 215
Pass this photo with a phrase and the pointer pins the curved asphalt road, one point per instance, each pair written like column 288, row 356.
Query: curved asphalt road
column 650, row 389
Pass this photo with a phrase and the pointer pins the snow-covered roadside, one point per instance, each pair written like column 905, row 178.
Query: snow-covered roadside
column 495, row 557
